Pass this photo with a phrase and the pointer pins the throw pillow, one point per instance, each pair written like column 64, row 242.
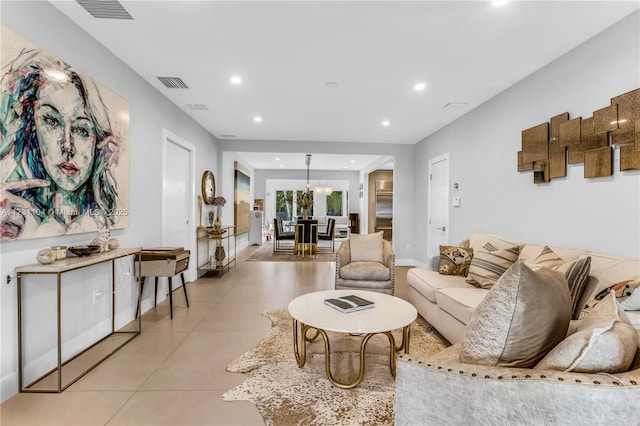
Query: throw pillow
column 633, row 302
column 577, row 279
column 622, row 291
column 548, row 258
column 487, row 266
column 455, row 260
column 366, row 247
column 604, row 342
column 522, row 318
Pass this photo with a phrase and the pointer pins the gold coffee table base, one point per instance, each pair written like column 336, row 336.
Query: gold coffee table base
column 300, row 350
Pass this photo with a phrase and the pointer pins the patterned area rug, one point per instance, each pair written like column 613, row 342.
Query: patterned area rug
column 287, row 395
column 265, row 254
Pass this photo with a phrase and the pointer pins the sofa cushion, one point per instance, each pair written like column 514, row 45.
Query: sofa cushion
column 604, row 342
column 366, row 247
column 478, row 240
column 427, row 283
column 455, row 260
column 523, row 317
column 460, row 302
column 369, row 271
column 488, row 265
column 530, row 251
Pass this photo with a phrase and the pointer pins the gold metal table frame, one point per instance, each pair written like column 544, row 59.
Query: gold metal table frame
column 58, row 268
column 300, row 350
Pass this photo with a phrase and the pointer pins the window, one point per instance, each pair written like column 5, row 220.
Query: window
column 334, row 204
column 298, row 208
column 284, row 205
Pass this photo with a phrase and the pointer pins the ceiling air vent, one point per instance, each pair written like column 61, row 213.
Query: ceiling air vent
column 105, row 9
column 173, row 82
column 198, row 107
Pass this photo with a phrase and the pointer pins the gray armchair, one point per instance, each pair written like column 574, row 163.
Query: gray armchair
column 371, row 276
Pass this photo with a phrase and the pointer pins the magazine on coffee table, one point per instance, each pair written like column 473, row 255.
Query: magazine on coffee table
column 349, row 303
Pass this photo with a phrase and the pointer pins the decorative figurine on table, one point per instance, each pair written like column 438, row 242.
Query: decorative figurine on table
column 219, row 202
column 211, row 217
column 102, row 239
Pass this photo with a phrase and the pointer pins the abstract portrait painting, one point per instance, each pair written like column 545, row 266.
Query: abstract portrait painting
column 64, row 147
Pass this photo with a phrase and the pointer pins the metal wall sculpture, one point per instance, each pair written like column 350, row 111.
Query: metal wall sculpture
column 548, row 147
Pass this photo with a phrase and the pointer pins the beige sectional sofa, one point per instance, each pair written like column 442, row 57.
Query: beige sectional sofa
column 444, row 390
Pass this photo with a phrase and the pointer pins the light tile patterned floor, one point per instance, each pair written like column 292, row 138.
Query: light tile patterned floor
column 174, row 372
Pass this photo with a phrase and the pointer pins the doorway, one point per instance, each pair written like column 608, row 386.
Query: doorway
column 178, row 229
column 438, row 202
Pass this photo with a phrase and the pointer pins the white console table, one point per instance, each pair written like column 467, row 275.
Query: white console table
column 98, row 351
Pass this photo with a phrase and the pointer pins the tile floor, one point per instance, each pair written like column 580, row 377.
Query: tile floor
column 174, row 372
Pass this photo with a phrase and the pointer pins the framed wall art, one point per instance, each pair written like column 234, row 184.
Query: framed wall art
column 242, row 210
column 64, row 152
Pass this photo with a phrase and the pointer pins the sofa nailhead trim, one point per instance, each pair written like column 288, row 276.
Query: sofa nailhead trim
column 633, row 382
column 499, row 377
column 514, row 377
column 542, row 376
column 527, row 376
column 487, row 377
column 461, row 372
column 474, row 375
column 561, row 379
column 596, row 382
column 578, row 381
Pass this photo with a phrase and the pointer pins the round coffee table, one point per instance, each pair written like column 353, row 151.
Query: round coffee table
column 390, row 313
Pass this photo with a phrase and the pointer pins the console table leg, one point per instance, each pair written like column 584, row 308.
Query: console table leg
column 184, row 288
column 170, row 298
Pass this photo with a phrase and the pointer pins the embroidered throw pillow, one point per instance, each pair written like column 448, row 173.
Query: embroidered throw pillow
column 622, row 291
column 632, row 303
column 604, row 342
column 522, row 318
column 455, row 260
column 487, row 266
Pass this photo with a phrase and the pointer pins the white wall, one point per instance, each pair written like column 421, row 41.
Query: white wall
column 151, row 112
column 598, row 214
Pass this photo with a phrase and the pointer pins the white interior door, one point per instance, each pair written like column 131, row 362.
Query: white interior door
column 438, row 204
column 177, row 196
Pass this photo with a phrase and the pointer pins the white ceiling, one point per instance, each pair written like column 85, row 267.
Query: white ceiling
column 376, row 51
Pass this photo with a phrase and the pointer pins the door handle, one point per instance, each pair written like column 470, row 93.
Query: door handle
column 444, row 228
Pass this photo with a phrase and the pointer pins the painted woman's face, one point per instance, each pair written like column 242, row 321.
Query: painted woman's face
column 66, row 134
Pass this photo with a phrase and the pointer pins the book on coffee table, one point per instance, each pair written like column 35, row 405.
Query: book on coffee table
column 349, row 303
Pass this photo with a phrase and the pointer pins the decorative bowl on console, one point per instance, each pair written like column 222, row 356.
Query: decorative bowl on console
column 84, row 250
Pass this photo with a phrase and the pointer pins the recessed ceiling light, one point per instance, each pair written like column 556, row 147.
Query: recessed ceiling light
column 353, row 161
column 235, row 80
column 345, row 167
column 419, row 87
column 257, row 119
column 386, row 123
column 281, row 166
column 499, row 2
column 277, row 158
